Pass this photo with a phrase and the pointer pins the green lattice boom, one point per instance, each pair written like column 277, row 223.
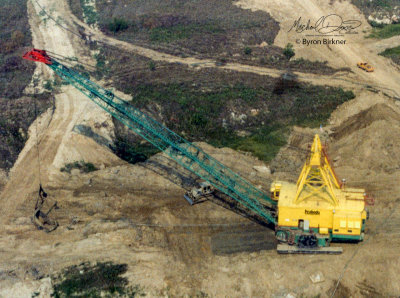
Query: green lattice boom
column 182, row 151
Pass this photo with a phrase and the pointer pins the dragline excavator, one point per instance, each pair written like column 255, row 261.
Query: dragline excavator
column 307, row 216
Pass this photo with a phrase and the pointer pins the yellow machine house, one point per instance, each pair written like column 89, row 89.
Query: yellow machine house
column 318, row 209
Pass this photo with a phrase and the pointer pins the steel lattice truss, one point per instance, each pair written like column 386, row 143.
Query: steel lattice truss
column 182, row 151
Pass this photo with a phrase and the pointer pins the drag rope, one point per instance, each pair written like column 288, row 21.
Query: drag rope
column 358, row 248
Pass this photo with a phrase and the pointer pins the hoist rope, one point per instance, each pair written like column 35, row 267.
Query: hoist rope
column 37, row 141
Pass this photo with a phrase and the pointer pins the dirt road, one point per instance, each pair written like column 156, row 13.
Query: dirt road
column 357, row 47
column 58, row 144
column 345, row 79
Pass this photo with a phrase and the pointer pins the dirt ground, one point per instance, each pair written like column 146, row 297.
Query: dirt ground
column 357, row 47
column 136, row 214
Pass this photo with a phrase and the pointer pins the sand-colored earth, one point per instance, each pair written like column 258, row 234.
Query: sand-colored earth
column 357, row 47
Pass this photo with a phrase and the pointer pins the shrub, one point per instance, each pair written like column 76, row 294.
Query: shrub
column 221, row 61
column 84, row 167
column 48, row 86
column 118, row 24
column 101, row 68
column 90, row 14
column 152, row 66
column 94, row 280
column 288, row 51
column 247, row 51
column 82, row 71
column 376, row 24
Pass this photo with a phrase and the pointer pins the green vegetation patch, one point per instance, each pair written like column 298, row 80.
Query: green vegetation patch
column 84, row 167
column 89, row 12
column 243, row 111
column 101, row 65
column 97, row 280
column 382, row 3
column 188, row 27
column 393, row 53
column 216, row 30
column 288, row 51
column 386, row 31
column 264, row 142
column 181, row 31
column 247, row 51
column 216, row 116
column 375, row 24
column 11, row 143
column 133, row 152
column 118, row 24
column 16, row 115
column 15, row 38
column 368, row 5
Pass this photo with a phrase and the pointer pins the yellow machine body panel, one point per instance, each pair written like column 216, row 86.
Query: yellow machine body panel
column 318, row 201
column 345, row 219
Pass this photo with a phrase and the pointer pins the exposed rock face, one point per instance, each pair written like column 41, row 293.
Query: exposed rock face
column 42, row 288
column 384, row 17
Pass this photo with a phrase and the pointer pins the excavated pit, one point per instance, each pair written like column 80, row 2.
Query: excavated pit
column 136, row 214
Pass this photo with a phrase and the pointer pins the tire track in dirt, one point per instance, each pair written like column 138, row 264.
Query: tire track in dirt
column 358, row 80
column 24, row 179
column 341, row 79
column 357, row 47
column 61, row 43
column 382, row 44
column 53, row 129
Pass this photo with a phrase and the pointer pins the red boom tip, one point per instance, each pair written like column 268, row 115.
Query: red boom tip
column 38, row 56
